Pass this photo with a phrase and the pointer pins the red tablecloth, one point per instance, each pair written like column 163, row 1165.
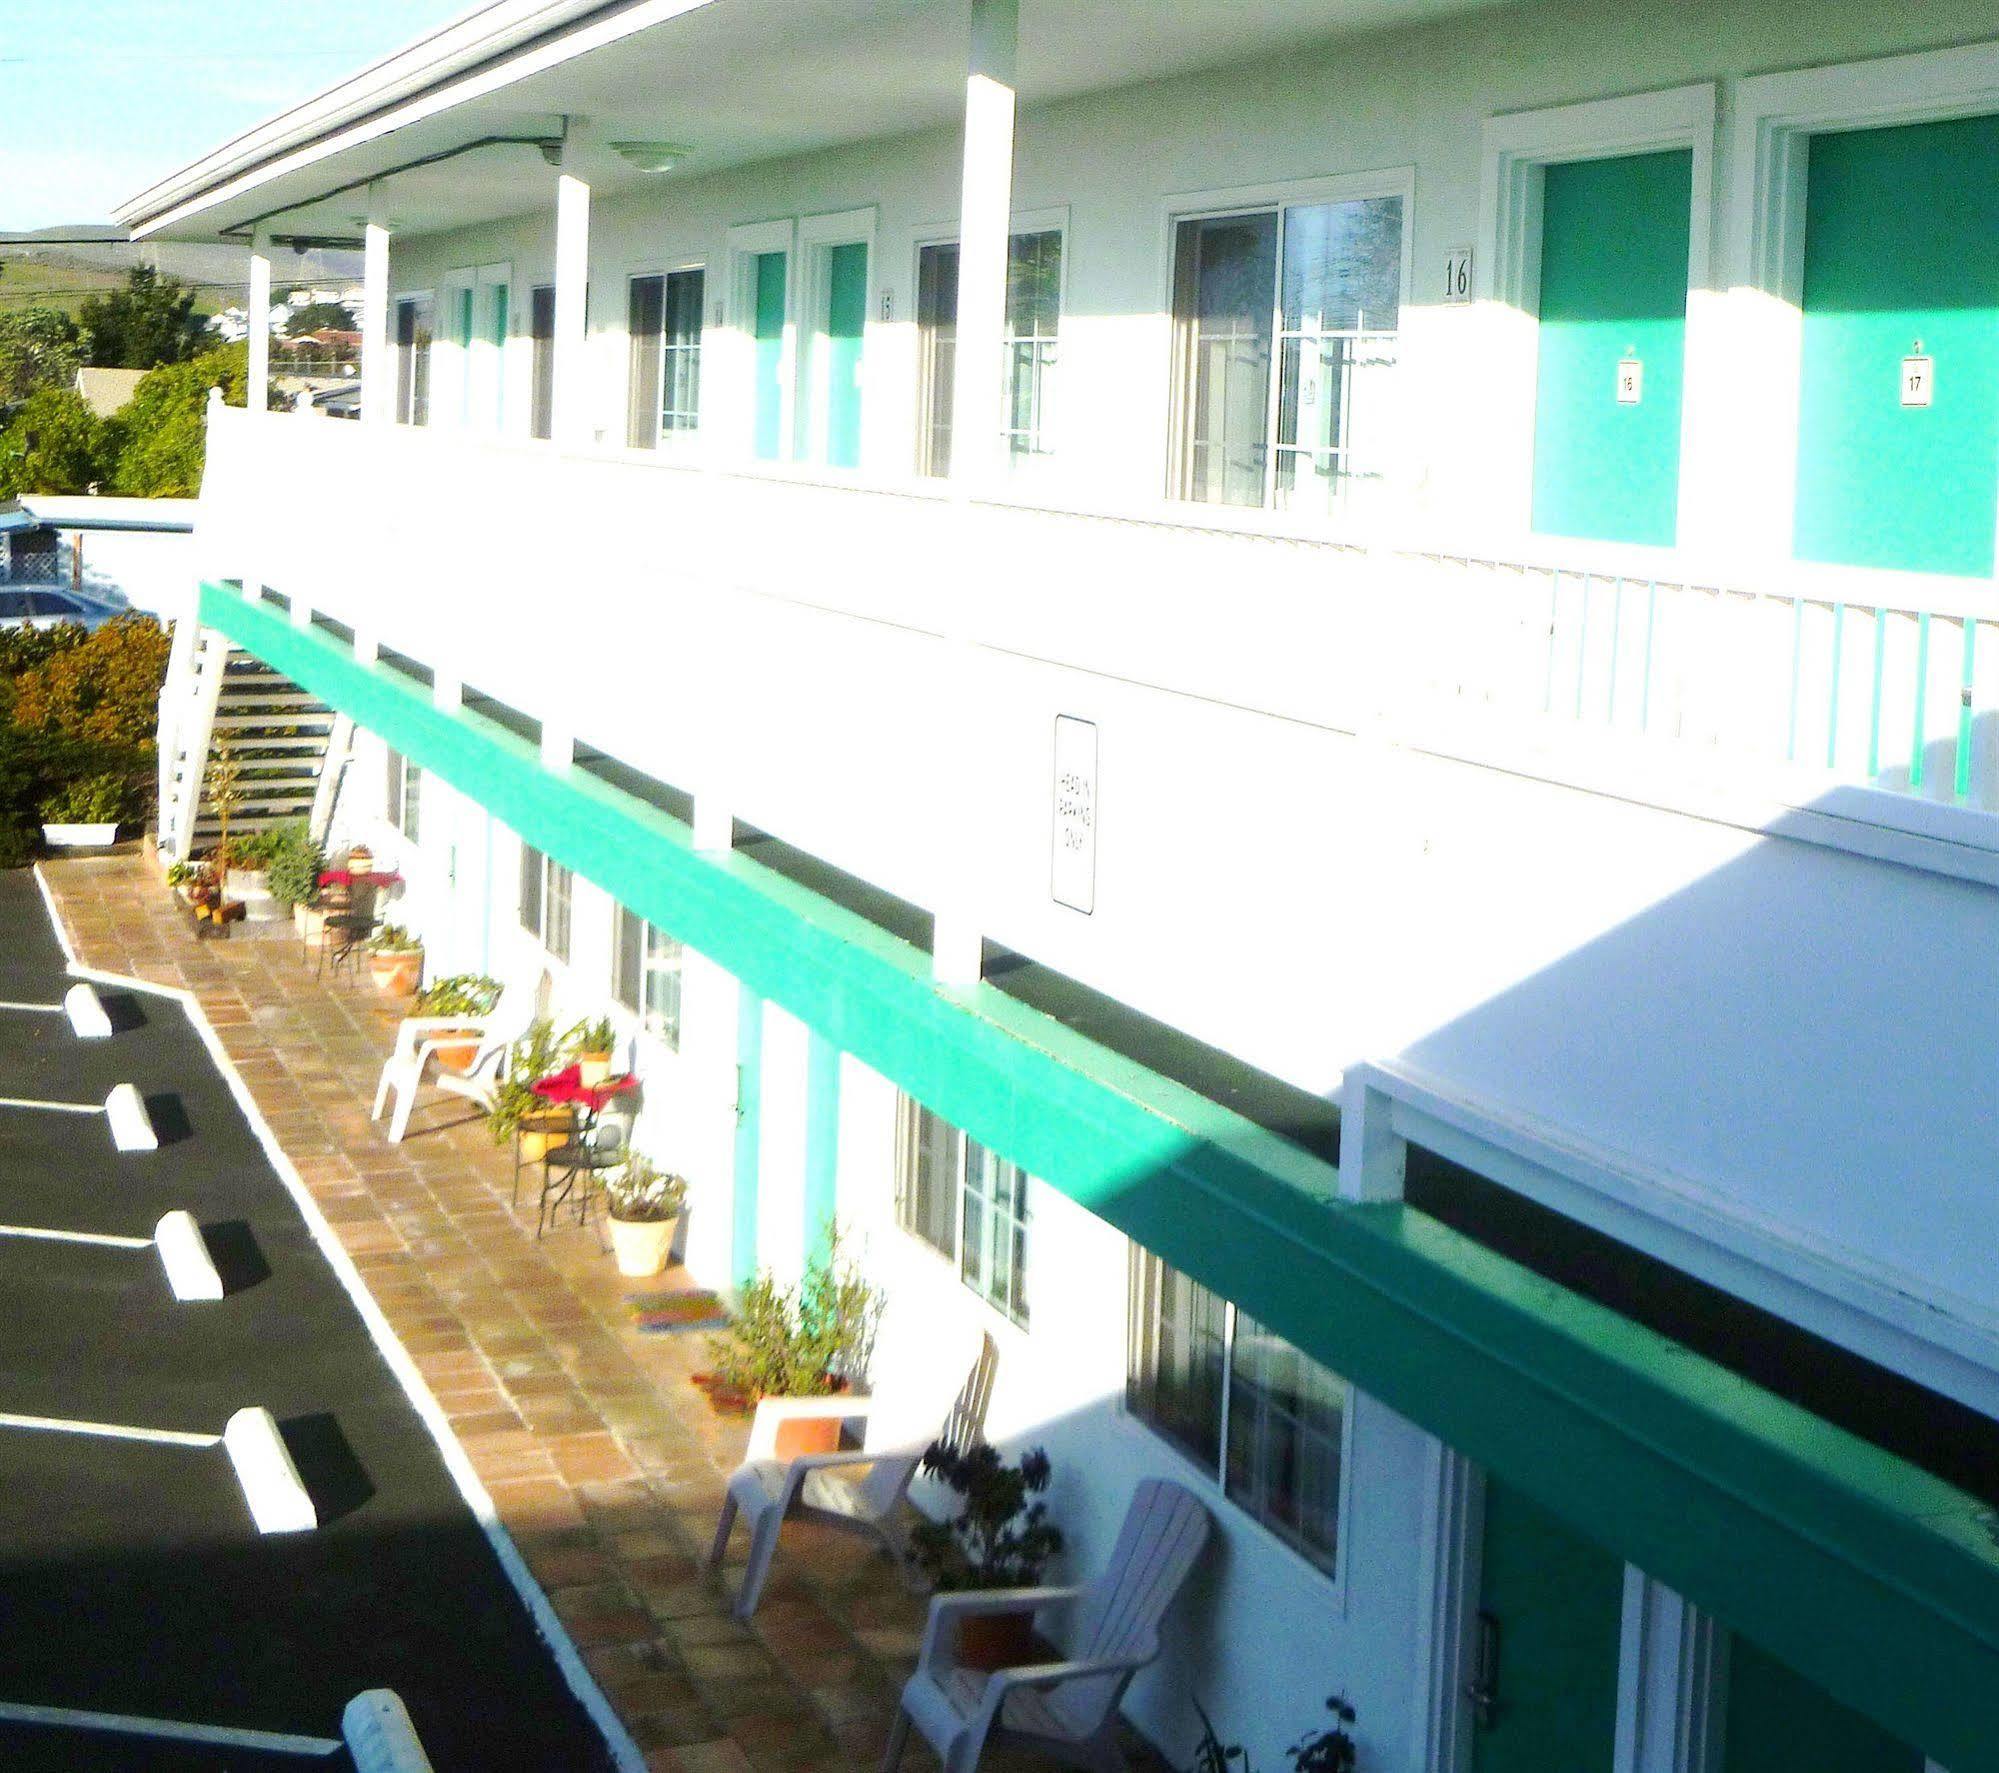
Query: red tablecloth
column 567, row 1085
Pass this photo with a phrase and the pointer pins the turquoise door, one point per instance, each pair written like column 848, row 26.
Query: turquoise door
column 822, row 1141
column 749, row 1100
column 846, row 318
column 769, row 277
column 1901, row 268
column 1614, row 244
column 1779, row 1719
column 1551, row 1608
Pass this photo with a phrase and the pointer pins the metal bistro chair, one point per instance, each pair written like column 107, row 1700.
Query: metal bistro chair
column 344, row 933
column 603, row 1143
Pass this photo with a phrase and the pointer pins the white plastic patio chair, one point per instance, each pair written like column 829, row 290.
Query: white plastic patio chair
column 1068, row 1709
column 410, row 1064
column 927, row 1381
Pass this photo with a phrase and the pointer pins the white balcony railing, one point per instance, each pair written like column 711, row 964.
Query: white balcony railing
column 425, row 539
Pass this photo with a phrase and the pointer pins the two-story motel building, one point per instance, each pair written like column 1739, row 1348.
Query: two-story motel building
column 1302, row 698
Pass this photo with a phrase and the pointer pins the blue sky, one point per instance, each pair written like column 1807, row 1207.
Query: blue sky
column 98, row 98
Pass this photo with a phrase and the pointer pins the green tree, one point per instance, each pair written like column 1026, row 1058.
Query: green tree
column 54, row 443
column 161, row 436
column 319, row 317
column 39, row 348
column 149, row 322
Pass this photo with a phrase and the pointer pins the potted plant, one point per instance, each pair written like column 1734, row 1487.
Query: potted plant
column 1331, row 1749
column 85, row 813
column 516, row 1108
column 810, row 1340
column 1001, row 1537
column 395, row 960
column 461, row 994
column 644, row 1206
column 592, row 1043
column 294, row 869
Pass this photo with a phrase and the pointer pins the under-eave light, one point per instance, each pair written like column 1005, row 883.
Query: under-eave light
column 652, row 156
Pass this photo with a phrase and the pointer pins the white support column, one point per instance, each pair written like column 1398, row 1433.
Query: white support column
column 447, row 693
column 378, row 379
column 1374, row 1159
column 558, row 747
column 985, row 225
column 714, row 822
column 570, row 419
column 259, row 312
column 1669, row 1682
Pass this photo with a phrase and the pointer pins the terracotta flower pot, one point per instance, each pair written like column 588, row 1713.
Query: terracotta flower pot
column 807, row 1434
column 457, row 1056
column 592, row 1069
column 642, row 1247
column 997, row 1640
column 397, row 974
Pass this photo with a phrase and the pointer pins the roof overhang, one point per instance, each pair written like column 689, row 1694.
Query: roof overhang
column 738, row 80
column 82, row 512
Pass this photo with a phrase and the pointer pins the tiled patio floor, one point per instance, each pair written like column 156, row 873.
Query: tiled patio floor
column 604, row 1462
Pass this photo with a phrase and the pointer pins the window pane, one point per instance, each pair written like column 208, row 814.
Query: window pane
column 1033, row 313
column 412, row 817
column 541, row 328
column 680, row 370
column 1224, row 290
column 556, row 938
column 1286, row 1414
column 393, row 807
column 662, row 985
column 1177, row 1344
column 1342, row 289
column 937, row 334
column 927, row 1177
column 647, row 309
column 530, row 889
column 627, row 960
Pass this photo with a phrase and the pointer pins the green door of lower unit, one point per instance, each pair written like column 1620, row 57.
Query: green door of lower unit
column 769, row 276
column 846, row 319
column 1551, row 1608
column 1613, row 332
column 1898, row 399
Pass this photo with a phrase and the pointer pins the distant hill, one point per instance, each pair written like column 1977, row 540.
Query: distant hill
column 60, row 267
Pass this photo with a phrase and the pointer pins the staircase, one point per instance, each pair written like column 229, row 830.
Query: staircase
column 279, row 735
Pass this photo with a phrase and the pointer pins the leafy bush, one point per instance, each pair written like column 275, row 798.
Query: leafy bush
column 593, row 1037
column 1001, row 1536
column 160, row 438
column 461, row 994
column 94, row 800
column 392, row 938
column 537, row 1054
column 103, row 685
column 54, row 443
column 36, row 767
column 641, row 1194
column 295, row 864
column 805, row 1341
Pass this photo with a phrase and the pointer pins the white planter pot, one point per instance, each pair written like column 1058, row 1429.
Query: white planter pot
column 76, row 837
column 641, row 1246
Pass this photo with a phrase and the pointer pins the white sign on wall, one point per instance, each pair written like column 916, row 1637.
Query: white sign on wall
column 1073, row 871
column 1919, row 377
column 1457, row 276
column 1630, row 382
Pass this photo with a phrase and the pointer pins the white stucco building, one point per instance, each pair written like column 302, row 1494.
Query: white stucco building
column 1301, row 697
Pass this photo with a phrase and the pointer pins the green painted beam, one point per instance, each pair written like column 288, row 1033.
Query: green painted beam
column 1876, row 1580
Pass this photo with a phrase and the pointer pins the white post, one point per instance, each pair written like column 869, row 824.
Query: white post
column 985, row 225
column 1670, row 1662
column 570, row 420
column 1374, row 1158
column 378, row 378
column 259, row 396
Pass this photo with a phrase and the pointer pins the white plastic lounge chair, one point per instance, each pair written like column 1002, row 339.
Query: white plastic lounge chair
column 409, row 1065
column 1067, row 1709
column 926, row 1381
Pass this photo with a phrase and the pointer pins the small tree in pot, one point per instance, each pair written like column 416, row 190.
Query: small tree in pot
column 462, row 994
column 517, row 1109
column 395, row 960
column 1001, row 1537
column 592, row 1043
column 643, row 1205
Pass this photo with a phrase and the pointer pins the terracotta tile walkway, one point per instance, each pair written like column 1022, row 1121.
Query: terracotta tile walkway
column 604, row 1462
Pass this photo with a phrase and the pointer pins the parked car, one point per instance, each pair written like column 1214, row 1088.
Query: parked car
column 340, row 403
column 43, row 607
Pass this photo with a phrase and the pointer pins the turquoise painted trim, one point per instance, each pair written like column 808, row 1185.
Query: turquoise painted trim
column 822, row 1141
column 1768, row 1517
column 745, row 1199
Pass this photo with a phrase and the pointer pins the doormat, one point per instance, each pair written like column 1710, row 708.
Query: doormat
column 666, row 1314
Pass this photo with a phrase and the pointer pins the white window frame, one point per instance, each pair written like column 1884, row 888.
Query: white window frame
column 907, row 1105
column 1216, row 1477
column 817, row 236
column 401, row 800
column 1283, row 195
column 1051, row 220
column 545, row 902
column 640, row 1014
column 396, row 300
column 1774, row 117
column 1516, row 151
column 748, row 243
column 712, row 309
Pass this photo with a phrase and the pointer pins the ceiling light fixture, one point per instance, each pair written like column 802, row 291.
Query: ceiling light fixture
column 652, row 156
